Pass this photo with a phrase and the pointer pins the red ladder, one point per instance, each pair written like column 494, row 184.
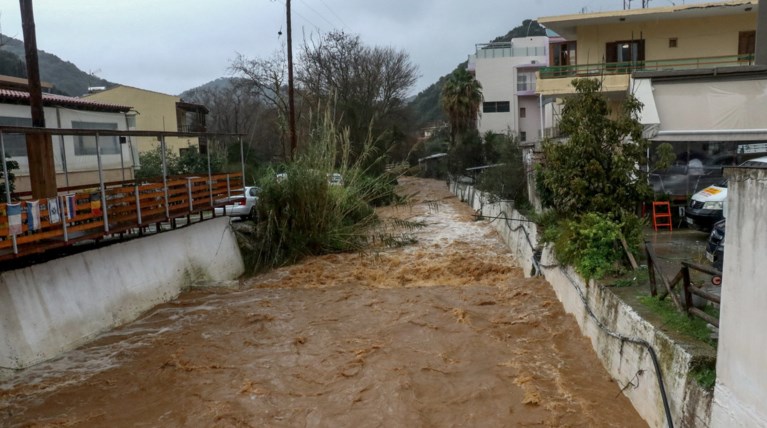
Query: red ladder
column 661, row 215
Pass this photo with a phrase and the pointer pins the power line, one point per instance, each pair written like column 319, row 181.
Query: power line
column 318, row 14
column 335, row 14
column 307, row 20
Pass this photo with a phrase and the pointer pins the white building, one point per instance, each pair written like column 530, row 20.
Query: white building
column 74, row 156
column 507, row 71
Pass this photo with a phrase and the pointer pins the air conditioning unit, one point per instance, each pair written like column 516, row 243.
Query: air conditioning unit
column 535, row 61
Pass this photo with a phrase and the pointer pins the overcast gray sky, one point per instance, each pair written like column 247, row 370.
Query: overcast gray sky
column 173, row 45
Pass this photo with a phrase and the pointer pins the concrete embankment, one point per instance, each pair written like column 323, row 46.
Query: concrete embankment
column 52, row 307
column 627, row 363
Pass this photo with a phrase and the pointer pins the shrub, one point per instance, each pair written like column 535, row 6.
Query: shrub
column 508, row 179
column 302, row 215
column 590, row 244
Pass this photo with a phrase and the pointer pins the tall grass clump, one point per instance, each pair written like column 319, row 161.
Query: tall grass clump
column 300, row 214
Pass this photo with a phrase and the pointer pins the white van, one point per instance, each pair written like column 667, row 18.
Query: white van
column 707, row 206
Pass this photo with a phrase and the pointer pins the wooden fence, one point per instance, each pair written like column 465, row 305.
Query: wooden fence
column 688, row 289
column 29, row 227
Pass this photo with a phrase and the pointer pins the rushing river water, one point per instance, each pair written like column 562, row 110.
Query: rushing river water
column 444, row 332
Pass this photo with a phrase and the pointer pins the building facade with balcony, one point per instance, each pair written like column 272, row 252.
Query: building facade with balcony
column 612, row 45
column 155, row 111
column 507, row 72
column 691, row 67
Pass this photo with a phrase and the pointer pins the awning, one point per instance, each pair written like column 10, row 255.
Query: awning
column 727, row 106
column 643, row 92
column 731, row 135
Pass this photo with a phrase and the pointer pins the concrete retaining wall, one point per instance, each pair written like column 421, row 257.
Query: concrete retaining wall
column 625, row 362
column 741, row 385
column 50, row 308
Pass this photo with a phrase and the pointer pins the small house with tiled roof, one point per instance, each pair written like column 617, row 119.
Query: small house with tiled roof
column 74, row 156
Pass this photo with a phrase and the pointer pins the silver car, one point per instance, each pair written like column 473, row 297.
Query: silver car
column 241, row 207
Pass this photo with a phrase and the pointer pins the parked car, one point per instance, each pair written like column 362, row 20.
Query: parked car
column 715, row 245
column 707, row 206
column 243, row 207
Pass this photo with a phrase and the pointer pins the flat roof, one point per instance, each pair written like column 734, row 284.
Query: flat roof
column 566, row 25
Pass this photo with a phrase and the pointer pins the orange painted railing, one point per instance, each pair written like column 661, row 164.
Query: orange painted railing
column 86, row 214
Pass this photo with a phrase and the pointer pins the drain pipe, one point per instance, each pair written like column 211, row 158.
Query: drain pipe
column 592, row 315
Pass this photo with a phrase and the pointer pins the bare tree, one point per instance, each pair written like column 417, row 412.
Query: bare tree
column 235, row 108
column 366, row 85
column 267, row 79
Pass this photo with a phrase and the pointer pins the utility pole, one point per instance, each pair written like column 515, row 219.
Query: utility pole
column 42, row 170
column 291, row 100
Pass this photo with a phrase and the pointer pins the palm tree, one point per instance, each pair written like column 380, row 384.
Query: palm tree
column 461, row 97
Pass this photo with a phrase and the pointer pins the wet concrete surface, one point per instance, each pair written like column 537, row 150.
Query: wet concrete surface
column 445, row 332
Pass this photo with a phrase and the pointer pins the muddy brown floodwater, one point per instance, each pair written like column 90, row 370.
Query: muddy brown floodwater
column 446, row 332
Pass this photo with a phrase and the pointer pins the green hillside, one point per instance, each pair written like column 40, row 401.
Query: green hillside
column 65, row 76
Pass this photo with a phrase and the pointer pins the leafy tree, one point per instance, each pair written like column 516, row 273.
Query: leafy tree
column 508, row 180
column 466, row 152
column 461, row 97
column 151, row 163
column 192, row 162
column 594, row 181
column 598, row 168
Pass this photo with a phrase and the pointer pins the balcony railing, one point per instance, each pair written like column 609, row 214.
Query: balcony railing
column 506, row 49
column 612, row 68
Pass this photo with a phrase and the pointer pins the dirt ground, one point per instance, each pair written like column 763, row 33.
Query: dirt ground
column 445, row 332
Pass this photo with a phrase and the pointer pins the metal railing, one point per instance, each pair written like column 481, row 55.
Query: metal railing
column 123, row 207
column 104, row 209
column 616, row 68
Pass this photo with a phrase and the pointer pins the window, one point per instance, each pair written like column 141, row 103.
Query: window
column 86, row 144
column 525, row 82
column 746, row 43
column 563, row 54
column 672, row 42
column 522, row 112
column 627, row 51
column 522, row 136
column 15, row 144
column 496, row 107
column 627, row 54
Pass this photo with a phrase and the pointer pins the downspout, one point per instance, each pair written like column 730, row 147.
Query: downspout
column 62, row 147
column 540, row 111
column 130, row 144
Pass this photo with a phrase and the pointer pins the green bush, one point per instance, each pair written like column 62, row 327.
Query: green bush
column 508, row 179
column 302, row 215
column 590, row 244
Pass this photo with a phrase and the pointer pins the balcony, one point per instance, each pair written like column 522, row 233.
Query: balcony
column 507, row 49
column 556, row 79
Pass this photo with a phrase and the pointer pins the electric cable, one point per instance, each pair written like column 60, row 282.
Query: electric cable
column 592, row 315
